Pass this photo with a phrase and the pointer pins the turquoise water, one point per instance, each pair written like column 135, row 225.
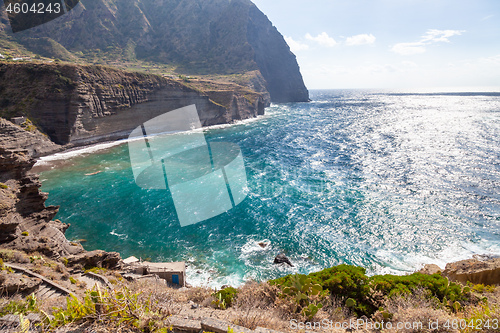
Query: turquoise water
column 388, row 181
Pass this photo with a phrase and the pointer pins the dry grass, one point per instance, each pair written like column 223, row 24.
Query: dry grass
column 167, row 299
column 413, row 313
column 256, row 305
column 199, row 295
column 14, row 256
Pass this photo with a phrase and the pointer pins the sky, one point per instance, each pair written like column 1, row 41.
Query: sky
column 346, row 44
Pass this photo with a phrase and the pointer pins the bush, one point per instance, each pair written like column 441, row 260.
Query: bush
column 97, row 270
column 120, row 308
column 25, row 233
column 5, row 268
column 224, row 297
column 65, row 261
column 198, row 294
column 481, row 288
column 440, row 287
column 350, row 283
column 20, row 307
column 343, row 281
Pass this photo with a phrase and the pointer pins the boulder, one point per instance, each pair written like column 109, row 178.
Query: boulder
column 12, row 283
column 97, row 258
column 430, row 269
column 282, row 259
column 485, row 271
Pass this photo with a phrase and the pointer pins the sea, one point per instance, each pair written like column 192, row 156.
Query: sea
column 386, row 180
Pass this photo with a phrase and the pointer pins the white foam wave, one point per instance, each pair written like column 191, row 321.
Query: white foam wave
column 77, row 152
column 392, row 263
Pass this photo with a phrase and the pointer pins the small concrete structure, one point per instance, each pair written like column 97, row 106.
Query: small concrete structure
column 172, row 272
column 130, row 260
column 18, row 120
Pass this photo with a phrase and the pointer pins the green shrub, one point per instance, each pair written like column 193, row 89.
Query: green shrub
column 439, row 287
column 119, row 308
column 25, row 233
column 305, row 294
column 343, row 281
column 224, row 297
column 5, row 268
column 481, row 288
column 72, row 280
column 4, row 186
column 359, row 292
column 64, row 260
column 20, row 307
column 97, row 270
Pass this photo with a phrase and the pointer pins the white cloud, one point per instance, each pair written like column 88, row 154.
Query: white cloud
column 408, row 48
column 434, row 35
column 295, row 46
column 494, row 60
column 322, row 39
column 431, row 36
column 360, row 39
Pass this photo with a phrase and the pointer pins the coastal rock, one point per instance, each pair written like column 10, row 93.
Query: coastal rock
column 11, row 283
column 80, row 105
column 430, row 269
column 25, row 137
column 26, row 224
column 97, row 258
column 282, row 259
column 485, row 271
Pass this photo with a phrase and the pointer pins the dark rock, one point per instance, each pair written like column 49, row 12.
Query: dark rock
column 275, row 61
column 12, row 283
column 27, row 140
column 97, row 258
column 282, row 259
column 25, row 222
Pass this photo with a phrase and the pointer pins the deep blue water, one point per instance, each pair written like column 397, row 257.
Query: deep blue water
column 388, row 181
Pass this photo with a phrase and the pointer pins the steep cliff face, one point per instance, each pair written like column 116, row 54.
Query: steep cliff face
column 195, row 36
column 86, row 104
column 22, row 205
column 275, row 60
column 26, row 224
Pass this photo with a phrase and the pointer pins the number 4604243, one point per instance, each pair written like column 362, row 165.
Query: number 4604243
column 36, row 8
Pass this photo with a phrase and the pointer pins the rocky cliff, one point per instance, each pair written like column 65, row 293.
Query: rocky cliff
column 26, row 224
column 193, row 36
column 85, row 104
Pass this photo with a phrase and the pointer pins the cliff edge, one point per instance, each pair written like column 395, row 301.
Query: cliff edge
column 83, row 104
